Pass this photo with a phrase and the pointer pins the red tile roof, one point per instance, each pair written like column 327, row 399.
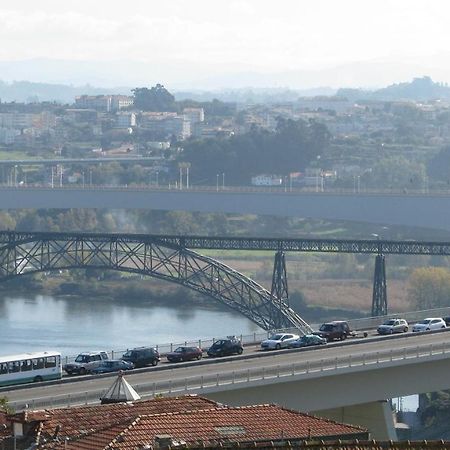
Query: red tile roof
column 77, row 421
column 214, row 425
column 5, row 429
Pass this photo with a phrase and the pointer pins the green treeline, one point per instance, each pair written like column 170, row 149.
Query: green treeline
column 293, row 146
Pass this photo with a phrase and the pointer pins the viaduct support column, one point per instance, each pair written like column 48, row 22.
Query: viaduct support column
column 279, row 291
column 377, row 417
column 379, row 296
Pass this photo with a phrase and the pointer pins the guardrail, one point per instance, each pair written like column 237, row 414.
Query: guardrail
column 282, row 189
column 305, row 369
column 366, row 323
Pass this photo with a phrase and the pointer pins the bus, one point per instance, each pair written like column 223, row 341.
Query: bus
column 30, row 367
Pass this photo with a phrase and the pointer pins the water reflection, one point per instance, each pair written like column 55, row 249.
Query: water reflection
column 72, row 324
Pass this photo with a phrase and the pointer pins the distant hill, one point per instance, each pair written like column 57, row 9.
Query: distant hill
column 29, row 92
column 419, row 89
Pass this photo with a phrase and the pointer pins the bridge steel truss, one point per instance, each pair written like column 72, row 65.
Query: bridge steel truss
column 173, row 258
column 27, row 253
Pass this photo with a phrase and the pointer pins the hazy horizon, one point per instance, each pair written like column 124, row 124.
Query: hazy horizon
column 225, row 44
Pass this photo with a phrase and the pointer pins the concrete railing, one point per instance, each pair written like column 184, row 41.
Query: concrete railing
column 303, row 369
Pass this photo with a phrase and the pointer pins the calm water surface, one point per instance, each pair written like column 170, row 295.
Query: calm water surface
column 71, row 325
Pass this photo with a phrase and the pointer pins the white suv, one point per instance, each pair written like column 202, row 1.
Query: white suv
column 431, row 323
column 85, row 362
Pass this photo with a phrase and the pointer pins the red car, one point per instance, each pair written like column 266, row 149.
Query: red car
column 184, row 354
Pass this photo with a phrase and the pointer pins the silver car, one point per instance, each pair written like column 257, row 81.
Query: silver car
column 279, row 340
column 393, row 326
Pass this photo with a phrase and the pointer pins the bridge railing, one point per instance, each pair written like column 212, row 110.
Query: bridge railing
column 365, row 323
column 203, row 383
column 368, row 323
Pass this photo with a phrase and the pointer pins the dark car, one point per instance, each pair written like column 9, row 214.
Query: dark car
column 447, row 321
column 226, row 347
column 307, row 341
column 337, row 329
column 184, row 354
column 142, row 356
column 113, row 365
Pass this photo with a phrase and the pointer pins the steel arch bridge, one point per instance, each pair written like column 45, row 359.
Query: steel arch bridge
column 27, row 253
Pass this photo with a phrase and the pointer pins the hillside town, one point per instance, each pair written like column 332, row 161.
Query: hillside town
column 361, row 144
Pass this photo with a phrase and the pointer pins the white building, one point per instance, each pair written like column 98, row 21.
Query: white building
column 119, row 102
column 166, row 124
column 125, row 120
column 267, row 180
column 194, row 115
column 8, row 135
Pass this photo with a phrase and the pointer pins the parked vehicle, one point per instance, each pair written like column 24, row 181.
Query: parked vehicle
column 279, row 340
column 30, row 367
column 307, row 341
column 431, row 323
column 142, row 356
column 85, row 362
column 393, row 326
column 338, row 329
column 447, row 321
column 226, row 347
column 184, row 354
column 113, row 365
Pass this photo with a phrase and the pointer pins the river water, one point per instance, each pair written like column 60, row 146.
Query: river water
column 71, row 324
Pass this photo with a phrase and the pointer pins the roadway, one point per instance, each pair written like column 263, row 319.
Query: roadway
column 150, row 380
column 377, row 208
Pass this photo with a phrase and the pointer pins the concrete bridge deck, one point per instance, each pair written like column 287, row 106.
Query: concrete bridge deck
column 418, row 210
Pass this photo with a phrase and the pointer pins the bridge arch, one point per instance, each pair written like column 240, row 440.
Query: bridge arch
column 28, row 253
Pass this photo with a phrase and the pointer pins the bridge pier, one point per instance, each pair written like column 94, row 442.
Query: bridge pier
column 377, row 417
column 279, row 290
column 379, row 296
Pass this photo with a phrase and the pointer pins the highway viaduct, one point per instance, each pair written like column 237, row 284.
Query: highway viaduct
column 418, row 210
column 347, row 382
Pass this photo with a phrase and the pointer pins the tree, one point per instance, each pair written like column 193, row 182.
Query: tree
column 158, row 98
column 429, row 287
column 4, row 407
column 292, row 147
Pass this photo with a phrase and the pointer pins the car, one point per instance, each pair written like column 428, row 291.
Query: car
column 447, row 321
column 279, row 340
column 112, row 365
column 430, row 323
column 142, row 356
column 307, row 341
column 85, row 362
column 338, row 329
column 226, row 347
column 394, row 325
column 184, row 354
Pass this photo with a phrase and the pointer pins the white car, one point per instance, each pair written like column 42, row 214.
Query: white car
column 279, row 340
column 431, row 323
column 393, row 326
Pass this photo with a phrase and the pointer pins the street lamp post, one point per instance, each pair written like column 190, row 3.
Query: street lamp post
column 217, row 182
column 223, row 180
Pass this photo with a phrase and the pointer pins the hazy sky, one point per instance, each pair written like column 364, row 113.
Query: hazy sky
column 206, row 37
